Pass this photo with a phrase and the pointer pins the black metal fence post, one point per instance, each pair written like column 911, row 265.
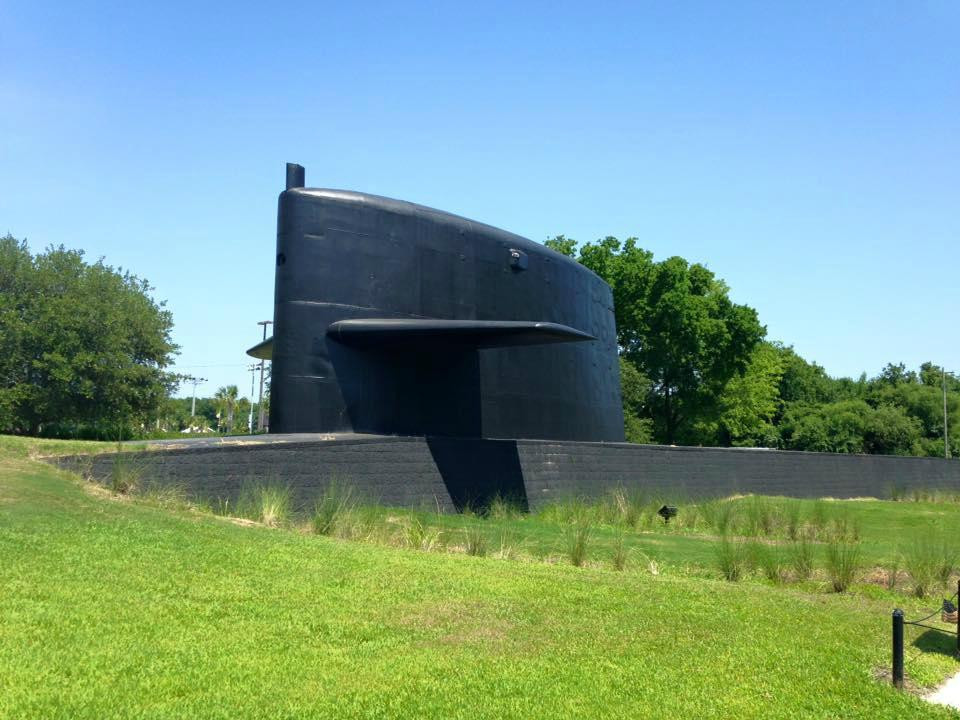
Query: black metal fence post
column 958, row 624
column 898, row 649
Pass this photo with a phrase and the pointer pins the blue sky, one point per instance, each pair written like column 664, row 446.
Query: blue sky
column 808, row 153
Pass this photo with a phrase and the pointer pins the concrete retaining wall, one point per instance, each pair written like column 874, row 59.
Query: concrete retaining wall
column 445, row 473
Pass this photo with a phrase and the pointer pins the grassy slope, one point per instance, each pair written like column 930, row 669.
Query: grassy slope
column 116, row 609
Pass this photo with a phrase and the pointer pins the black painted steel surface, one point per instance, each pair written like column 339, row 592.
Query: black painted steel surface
column 525, row 346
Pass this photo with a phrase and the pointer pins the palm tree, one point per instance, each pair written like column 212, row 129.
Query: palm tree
column 226, row 399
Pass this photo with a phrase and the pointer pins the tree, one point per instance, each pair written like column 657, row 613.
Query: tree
column 678, row 326
column 890, row 431
column 635, row 390
column 226, row 399
column 894, row 375
column 835, row 427
column 802, row 381
column 749, row 403
column 83, row 347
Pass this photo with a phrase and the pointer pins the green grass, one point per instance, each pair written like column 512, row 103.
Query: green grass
column 119, row 607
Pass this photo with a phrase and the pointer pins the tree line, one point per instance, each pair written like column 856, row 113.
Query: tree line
column 225, row 412
column 697, row 369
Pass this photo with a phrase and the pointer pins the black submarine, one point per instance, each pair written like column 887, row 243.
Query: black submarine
column 393, row 318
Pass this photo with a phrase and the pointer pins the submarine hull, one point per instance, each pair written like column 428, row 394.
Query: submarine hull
column 393, row 318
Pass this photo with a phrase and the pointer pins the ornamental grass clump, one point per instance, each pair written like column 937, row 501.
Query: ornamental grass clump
column 124, row 474
column 475, row 540
column 274, row 504
column 891, row 572
column 768, row 559
column 503, row 508
column 578, row 539
column 946, row 562
column 922, row 560
column 268, row 504
column 623, row 508
column 819, row 518
column 421, row 536
column 800, row 556
column 732, row 559
column 843, row 564
column 335, row 503
column 793, row 519
column 845, row 527
column 719, row 515
column 760, row 515
column 509, row 545
column 619, row 556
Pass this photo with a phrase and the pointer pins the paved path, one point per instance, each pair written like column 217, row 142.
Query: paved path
column 948, row 693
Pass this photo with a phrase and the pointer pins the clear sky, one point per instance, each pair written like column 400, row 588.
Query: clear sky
column 807, row 152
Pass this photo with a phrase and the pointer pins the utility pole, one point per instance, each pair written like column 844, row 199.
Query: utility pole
column 260, row 414
column 946, row 437
column 253, row 371
column 193, row 404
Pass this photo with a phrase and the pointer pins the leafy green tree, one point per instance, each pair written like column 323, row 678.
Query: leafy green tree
column 749, row 403
column 241, row 416
column 894, row 375
column 891, row 431
column 835, row 427
column 635, row 391
column 226, row 401
column 678, row 326
column 83, row 347
column 802, row 381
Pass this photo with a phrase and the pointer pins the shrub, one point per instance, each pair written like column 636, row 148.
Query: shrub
column 732, row 559
column 578, row 538
column 801, row 557
column 843, row 563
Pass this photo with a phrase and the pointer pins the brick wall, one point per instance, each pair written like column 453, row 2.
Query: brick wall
column 448, row 472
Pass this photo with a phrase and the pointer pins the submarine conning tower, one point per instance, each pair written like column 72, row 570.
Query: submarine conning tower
column 397, row 319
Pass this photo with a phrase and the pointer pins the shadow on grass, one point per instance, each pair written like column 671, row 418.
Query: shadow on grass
column 936, row 641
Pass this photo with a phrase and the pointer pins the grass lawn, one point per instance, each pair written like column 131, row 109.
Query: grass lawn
column 111, row 607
